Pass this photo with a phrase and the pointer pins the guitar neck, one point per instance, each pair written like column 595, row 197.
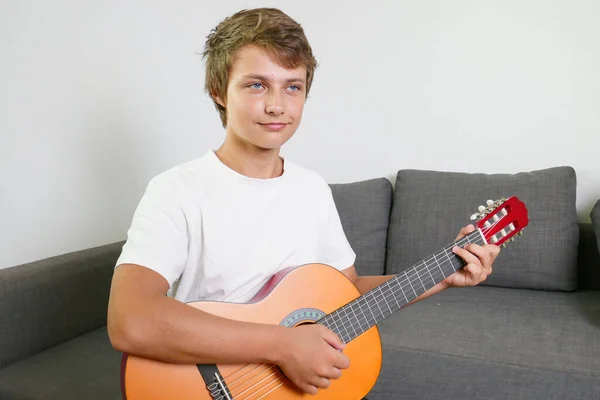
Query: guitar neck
column 356, row 317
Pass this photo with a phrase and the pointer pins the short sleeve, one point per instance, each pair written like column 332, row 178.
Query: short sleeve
column 337, row 251
column 157, row 238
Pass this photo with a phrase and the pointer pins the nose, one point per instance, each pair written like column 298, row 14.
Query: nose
column 275, row 103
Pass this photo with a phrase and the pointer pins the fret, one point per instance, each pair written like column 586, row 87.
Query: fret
column 448, row 256
column 384, row 299
column 367, row 310
column 402, row 290
column 413, row 289
column 361, row 308
column 377, row 304
column 360, row 325
column 339, row 322
column 394, row 294
column 337, row 329
column 342, row 313
column 349, row 319
column 370, row 310
column 439, row 266
column 431, row 276
column 419, row 276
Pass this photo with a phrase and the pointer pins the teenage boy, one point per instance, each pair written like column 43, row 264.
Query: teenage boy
column 218, row 227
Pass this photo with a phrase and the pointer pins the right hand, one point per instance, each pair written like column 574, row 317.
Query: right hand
column 310, row 357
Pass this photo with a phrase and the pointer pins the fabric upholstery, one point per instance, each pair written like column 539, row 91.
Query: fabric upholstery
column 421, row 375
column 431, row 207
column 532, row 328
column 364, row 209
column 50, row 301
column 86, row 367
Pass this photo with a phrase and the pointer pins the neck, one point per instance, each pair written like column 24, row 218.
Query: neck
column 249, row 160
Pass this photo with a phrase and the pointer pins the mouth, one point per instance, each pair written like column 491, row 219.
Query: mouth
column 274, row 126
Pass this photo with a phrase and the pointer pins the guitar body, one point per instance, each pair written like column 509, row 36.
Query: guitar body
column 290, row 298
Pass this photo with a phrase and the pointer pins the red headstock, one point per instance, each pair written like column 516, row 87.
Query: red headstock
column 502, row 220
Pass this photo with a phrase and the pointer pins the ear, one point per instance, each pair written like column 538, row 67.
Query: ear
column 218, row 99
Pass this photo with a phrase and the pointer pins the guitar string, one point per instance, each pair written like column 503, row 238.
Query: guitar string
column 267, row 384
column 344, row 324
column 485, row 229
column 376, row 299
column 260, row 388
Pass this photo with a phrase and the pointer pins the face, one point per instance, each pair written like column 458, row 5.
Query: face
column 264, row 100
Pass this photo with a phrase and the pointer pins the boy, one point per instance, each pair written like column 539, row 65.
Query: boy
column 216, row 228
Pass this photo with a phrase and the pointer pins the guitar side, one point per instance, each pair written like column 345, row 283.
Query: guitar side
column 300, row 296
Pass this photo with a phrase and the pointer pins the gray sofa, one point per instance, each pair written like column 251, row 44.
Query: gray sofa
column 531, row 331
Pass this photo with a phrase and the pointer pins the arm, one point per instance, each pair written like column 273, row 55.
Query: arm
column 479, row 261
column 143, row 321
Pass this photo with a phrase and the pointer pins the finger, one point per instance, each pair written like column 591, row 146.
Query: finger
column 335, row 373
column 333, row 340
column 486, row 254
column 493, row 249
column 320, row 382
column 308, row 388
column 465, row 231
column 466, row 255
column 341, row 361
column 477, row 272
column 329, row 372
column 482, row 253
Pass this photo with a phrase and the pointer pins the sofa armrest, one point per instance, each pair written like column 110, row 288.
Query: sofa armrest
column 50, row 301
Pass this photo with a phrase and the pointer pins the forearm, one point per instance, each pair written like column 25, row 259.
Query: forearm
column 171, row 331
column 366, row 283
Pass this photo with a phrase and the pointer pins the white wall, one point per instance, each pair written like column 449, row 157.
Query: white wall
column 98, row 97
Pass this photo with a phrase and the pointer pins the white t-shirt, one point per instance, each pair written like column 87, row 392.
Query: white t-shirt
column 215, row 234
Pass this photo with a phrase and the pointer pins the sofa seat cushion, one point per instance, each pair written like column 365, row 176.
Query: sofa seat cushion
column 554, row 331
column 86, row 367
column 415, row 374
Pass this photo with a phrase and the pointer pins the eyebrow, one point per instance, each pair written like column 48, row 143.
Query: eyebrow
column 264, row 78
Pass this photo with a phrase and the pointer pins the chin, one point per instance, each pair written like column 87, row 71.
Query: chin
column 275, row 143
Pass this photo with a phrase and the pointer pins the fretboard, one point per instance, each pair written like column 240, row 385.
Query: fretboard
column 359, row 315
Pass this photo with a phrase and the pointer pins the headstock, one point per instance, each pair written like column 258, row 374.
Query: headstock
column 501, row 220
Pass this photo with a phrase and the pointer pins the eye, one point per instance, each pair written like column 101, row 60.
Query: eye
column 295, row 88
column 256, row 85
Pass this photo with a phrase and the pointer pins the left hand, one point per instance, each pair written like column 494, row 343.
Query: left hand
column 479, row 261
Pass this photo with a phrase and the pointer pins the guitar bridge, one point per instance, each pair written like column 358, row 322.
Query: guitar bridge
column 218, row 389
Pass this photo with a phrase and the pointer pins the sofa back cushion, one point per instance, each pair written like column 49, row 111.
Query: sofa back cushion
column 50, row 301
column 431, row 207
column 364, row 209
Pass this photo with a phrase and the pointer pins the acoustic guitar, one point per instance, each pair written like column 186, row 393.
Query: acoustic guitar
column 319, row 294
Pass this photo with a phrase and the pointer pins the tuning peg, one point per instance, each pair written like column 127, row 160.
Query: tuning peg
column 474, row 216
column 481, row 209
column 503, row 245
column 490, row 202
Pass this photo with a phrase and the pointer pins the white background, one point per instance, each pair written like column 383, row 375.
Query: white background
column 97, row 97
